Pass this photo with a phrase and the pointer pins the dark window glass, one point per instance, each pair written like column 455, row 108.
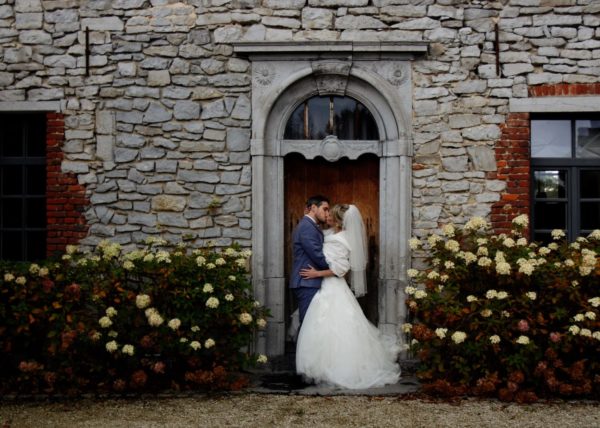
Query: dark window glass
column 550, row 215
column 318, row 118
column 590, row 183
column 343, row 117
column 22, row 186
column 590, row 214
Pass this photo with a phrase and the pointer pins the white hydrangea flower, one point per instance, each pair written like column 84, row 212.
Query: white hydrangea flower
column 112, row 346
column 229, row 297
column 502, row 295
column 458, row 337
column 195, row 345
column 128, row 265
column 596, row 335
column 574, row 283
column 452, row 245
column 71, row 249
column 449, row 264
column 111, row 312
column 595, row 234
column 523, row 340
column 148, row 257
column 209, row 343
column 491, row 294
column 448, row 230
column 208, row 288
column 522, row 242
column 195, row 328
column 531, row 295
column 261, row 359
column 174, row 324
column 183, row 340
column 469, row 257
column 441, row 332
column 412, row 273
column 410, row 290
column 484, row 262
column 128, row 349
column 407, row 327
column 482, row 251
column 105, row 322
column 245, row 318
column 495, row 339
column 509, row 242
column 433, row 275
column 433, row 239
column 200, row 261
column 155, row 319
column 505, row 314
column 9, row 277
column 231, row 252
column 574, row 330
column 471, row 298
column 443, row 278
column 526, row 268
column 212, row 302
column 34, row 268
column 585, row 270
column 210, row 266
column 476, row 223
column 575, row 245
column 420, row 294
column 232, row 278
column 503, row 268
column 261, row 323
column 578, row 317
column 569, row 263
column 522, row 220
column 553, row 246
column 590, row 315
column 220, row 261
column 414, row 243
column 21, row 280
column 142, row 301
column 163, row 256
column 585, row 332
column 486, row 313
column 557, row 234
column 594, row 301
column 112, row 333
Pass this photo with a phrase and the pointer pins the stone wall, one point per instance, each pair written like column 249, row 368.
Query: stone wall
column 158, row 133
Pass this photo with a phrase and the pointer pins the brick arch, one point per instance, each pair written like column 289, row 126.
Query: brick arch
column 513, row 155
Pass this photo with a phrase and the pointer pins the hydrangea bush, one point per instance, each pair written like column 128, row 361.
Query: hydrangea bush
column 496, row 315
column 150, row 319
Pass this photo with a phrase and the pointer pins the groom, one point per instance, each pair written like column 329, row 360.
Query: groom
column 307, row 250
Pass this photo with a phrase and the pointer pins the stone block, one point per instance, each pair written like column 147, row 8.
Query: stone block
column 18, row 55
column 28, row 6
column 104, row 147
column 168, row 203
column 158, row 78
column 483, row 158
column 130, row 140
column 214, row 109
column 171, row 219
column 463, row 120
column 238, row 140
column 74, row 167
column 352, row 22
column 157, row 113
column 125, row 155
column 148, row 220
column 197, row 176
column 517, row 68
column 284, row 4
column 29, row 21
column 35, row 37
column 187, row 110
column 109, row 23
column 482, row 133
column 103, row 198
column 105, row 122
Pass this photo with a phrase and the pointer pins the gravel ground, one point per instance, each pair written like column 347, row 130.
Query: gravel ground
column 258, row 410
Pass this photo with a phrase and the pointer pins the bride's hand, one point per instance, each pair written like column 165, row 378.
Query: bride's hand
column 309, row 272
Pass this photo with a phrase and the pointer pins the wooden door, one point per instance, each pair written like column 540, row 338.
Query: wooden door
column 344, row 181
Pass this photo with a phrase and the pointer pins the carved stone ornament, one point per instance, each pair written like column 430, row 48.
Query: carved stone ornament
column 264, row 74
column 331, row 149
column 396, row 74
column 331, row 84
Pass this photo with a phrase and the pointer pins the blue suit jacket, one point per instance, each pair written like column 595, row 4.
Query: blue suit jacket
column 307, row 247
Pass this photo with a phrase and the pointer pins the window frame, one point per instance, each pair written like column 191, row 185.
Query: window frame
column 24, row 161
column 573, row 166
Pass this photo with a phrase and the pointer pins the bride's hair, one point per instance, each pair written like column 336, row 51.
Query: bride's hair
column 337, row 214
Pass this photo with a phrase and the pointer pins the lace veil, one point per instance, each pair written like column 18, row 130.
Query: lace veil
column 357, row 238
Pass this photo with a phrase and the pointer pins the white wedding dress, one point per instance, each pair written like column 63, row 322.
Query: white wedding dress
column 337, row 345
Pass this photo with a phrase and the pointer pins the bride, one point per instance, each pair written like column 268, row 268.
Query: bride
column 337, row 345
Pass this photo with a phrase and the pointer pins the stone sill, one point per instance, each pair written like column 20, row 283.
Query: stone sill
column 560, row 104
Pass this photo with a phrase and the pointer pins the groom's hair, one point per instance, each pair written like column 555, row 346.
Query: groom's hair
column 316, row 200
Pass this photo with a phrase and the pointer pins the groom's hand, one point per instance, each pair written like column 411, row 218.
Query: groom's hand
column 309, row 273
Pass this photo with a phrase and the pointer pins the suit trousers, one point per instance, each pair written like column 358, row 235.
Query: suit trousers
column 304, row 295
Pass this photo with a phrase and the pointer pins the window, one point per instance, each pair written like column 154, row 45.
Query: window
column 343, row 117
column 22, row 186
column 565, row 161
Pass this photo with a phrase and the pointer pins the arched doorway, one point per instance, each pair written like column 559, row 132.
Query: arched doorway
column 379, row 77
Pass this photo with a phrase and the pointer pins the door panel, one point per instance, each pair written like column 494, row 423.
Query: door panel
column 344, row 181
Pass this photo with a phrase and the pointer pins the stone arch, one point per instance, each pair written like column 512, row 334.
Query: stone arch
column 279, row 83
